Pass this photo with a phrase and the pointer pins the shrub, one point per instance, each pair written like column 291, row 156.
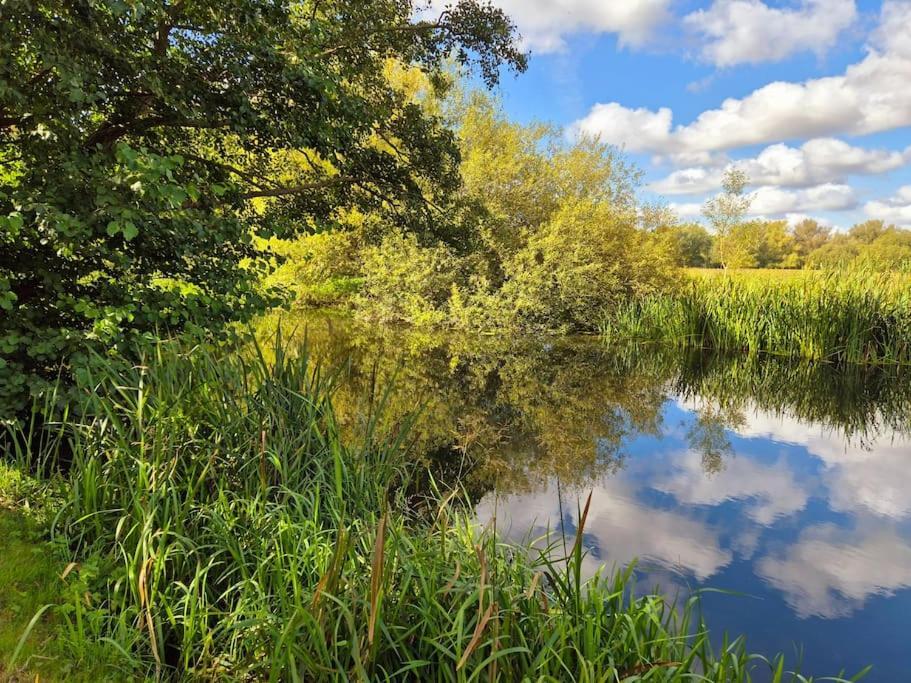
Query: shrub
column 586, row 261
column 404, row 281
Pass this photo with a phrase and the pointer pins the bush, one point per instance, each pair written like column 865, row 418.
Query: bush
column 404, row 281
column 587, row 260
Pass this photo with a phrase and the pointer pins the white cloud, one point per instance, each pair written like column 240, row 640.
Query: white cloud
column 694, row 180
column 829, row 572
column 773, row 201
column 749, row 31
column 686, row 209
column 894, row 31
column 818, row 161
column 544, row 24
column 793, row 218
column 614, row 529
column 635, row 129
column 872, row 95
column 895, row 209
column 822, row 160
column 770, row 490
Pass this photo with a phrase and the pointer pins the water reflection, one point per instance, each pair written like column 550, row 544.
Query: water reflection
column 784, row 481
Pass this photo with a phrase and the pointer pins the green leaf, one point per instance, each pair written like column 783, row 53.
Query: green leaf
column 14, row 223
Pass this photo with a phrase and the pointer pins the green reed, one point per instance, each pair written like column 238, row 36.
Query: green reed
column 224, row 530
column 841, row 316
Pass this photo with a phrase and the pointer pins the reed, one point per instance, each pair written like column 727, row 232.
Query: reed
column 224, row 530
column 858, row 316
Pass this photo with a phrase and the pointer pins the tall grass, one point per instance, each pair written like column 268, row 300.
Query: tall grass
column 226, row 531
column 844, row 317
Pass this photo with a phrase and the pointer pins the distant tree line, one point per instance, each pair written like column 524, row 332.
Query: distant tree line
column 777, row 244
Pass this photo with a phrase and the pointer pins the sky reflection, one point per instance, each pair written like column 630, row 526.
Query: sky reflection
column 797, row 513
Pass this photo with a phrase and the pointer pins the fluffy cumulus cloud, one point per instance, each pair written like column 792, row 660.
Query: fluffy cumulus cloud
column 635, row 129
column 768, row 492
column 614, row 529
column 894, row 32
column 775, row 202
column 545, row 24
column 830, row 573
column 870, row 96
column 686, row 209
column 818, row 161
column 749, row 31
column 895, row 209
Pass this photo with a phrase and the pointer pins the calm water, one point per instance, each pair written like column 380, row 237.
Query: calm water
column 786, row 483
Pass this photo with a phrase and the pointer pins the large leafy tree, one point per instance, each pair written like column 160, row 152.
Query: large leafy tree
column 145, row 145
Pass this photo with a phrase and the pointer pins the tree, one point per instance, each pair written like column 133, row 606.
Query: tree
column 727, row 209
column 809, row 235
column 560, row 234
column 868, row 231
column 839, row 251
column 741, row 246
column 553, row 231
column 690, row 244
column 144, row 145
column 776, row 244
column 587, row 260
column 890, row 251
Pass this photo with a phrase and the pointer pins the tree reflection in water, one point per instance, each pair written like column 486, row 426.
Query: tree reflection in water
column 784, row 480
column 513, row 413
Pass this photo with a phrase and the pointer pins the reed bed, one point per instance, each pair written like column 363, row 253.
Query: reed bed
column 861, row 317
column 222, row 529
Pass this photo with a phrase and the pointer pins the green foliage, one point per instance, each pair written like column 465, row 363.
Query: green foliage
column 690, row 244
column 758, row 244
column 809, row 236
column 725, row 211
column 403, row 280
column 889, row 251
column 587, row 259
column 544, row 235
column 319, row 270
column 273, row 549
column 144, row 145
column 868, row 231
column 872, row 245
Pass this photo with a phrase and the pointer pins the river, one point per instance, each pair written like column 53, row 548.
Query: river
column 784, row 487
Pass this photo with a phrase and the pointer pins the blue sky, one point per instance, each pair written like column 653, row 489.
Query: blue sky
column 810, row 97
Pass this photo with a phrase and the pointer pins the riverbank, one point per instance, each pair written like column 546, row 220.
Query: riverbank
column 39, row 594
column 225, row 529
column 850, row 316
